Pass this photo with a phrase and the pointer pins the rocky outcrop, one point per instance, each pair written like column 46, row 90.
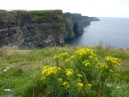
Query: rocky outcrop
column 94, row 19
column 74, row 24
column 37, row 29
column 69, row 26
column 86, row 20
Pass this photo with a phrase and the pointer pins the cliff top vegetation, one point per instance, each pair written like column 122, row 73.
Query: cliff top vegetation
column 20, row 70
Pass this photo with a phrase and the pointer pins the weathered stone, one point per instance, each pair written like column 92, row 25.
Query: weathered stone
column 37, row 29
column 94, row 19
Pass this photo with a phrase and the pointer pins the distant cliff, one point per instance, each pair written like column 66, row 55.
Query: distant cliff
column 37, row 29
column 74, row 24
column 94, row 19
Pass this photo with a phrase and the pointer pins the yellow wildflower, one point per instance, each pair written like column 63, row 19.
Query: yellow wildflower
column 69, row 59
column 48, row 70
column 69, row 72
column 73, row 56
column 79, row 84
column 84, row 51
column 103, row 65
column 96, row 59
column 66, row 85
column 86, row 63
column 89, row 86
column 112, row 60
column 61, row 56
column 79, row 76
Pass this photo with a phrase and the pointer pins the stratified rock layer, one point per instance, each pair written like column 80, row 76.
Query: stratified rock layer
column 38, row 29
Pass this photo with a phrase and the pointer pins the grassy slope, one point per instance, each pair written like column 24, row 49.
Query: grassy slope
column 25, row 65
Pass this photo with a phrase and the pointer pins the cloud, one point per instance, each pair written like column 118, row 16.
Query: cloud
column 114, row 8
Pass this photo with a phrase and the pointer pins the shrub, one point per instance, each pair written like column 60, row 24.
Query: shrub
column 80, row 74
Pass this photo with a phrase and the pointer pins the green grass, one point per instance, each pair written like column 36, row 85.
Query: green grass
column 25, row 66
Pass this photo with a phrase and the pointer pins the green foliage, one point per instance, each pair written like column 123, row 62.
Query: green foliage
column 47, row 15
column 2, row 11
column 25, row 79
column 80, row 74
column 37, row 17
column 12, row 11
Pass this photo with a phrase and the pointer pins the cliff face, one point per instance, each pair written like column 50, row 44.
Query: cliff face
column 74, row 24
column 94, row 19
column 37, row 29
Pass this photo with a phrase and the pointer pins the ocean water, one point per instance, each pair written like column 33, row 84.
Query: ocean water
column 112, row 32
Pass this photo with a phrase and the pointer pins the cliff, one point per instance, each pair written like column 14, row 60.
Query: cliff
column 94, row 19
column 74, row 24
column 38, row 29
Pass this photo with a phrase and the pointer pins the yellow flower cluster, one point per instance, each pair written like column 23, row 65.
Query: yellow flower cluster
column 61, row 56
column 96, row 59
column 80, row 85
column 77, row 72
column 69, row 72
column 79, row 75
column 66, row 85
column 69, row 59
column 103, row 65
column 86, row 63
column 48, row 70
column 113, row 60
column 89, row 86
column 84, row 51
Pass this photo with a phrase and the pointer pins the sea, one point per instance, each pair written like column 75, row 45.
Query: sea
column 111, row 32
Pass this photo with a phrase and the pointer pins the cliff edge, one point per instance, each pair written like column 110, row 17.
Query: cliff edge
column 38, row 29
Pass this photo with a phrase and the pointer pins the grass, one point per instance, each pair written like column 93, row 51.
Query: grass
column 19, row 69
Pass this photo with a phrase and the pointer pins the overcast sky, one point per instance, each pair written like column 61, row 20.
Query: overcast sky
column 103, row 8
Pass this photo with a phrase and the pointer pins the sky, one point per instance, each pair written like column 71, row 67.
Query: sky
column 99, row 8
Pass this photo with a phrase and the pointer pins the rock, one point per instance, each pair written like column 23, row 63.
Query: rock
column 38, row 29
column 94, row 19
column 74, row 24
column 7, row 90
